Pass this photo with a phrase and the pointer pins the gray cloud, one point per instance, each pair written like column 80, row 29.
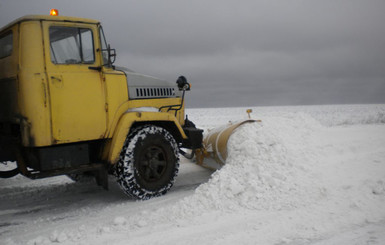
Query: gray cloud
column 246, row 52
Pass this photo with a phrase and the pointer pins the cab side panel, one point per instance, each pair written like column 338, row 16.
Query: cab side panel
column 116, row 94
column 33, row 88
column 77, row 93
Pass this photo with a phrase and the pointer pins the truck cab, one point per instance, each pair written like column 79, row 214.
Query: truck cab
column 66, row 109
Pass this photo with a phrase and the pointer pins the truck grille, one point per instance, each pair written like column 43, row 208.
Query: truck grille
column 154, row 92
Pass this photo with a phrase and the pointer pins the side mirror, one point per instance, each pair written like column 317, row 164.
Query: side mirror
column 111, row 55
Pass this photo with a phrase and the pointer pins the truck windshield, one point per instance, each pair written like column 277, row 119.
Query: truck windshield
column 71, row 45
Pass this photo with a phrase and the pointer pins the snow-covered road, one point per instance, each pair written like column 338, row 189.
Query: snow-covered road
column 306, row 175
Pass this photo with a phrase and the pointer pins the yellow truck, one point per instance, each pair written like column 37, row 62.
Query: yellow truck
column 65, row 109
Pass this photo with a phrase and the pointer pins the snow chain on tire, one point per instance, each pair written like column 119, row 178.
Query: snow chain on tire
column 148, row 163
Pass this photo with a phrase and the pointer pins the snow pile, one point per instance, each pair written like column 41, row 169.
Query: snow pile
column 266, row 169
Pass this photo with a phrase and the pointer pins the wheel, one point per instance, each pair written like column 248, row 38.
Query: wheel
column 148, row 163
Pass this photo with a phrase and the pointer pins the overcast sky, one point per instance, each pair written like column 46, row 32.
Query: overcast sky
column 243, row 52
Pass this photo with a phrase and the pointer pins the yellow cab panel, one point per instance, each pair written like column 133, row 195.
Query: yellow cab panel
column 77, row 93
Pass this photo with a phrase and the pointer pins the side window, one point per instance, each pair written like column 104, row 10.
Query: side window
column 71, row 45
column 6, row 45
column 87, row 46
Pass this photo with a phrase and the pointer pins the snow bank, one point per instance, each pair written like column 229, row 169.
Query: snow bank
column 266, row 169
column 334, row 115
column 327, row 115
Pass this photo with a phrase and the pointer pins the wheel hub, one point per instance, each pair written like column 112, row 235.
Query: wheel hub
column 153, row 163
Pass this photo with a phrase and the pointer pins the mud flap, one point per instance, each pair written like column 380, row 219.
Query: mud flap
column 101, row 177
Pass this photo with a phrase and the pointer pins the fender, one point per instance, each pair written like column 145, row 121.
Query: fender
column 114, row 146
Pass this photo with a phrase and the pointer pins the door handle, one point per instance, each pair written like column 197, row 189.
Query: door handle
column 95, row 68
column 56, row 78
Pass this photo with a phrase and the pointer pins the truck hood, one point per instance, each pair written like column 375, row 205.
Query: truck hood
column 147, row 87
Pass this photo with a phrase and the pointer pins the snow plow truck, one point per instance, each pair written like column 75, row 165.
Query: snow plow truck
column 65, row 109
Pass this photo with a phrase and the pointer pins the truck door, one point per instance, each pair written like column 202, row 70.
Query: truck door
column 77, row 96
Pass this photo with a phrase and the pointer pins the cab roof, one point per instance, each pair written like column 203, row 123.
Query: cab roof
column 50, row 18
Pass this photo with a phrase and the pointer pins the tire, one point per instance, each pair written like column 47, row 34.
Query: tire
column 148, row 163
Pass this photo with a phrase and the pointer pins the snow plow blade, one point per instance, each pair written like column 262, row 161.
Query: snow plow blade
column 213, row 155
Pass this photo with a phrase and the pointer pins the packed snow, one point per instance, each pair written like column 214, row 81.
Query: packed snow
column 304, row 175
